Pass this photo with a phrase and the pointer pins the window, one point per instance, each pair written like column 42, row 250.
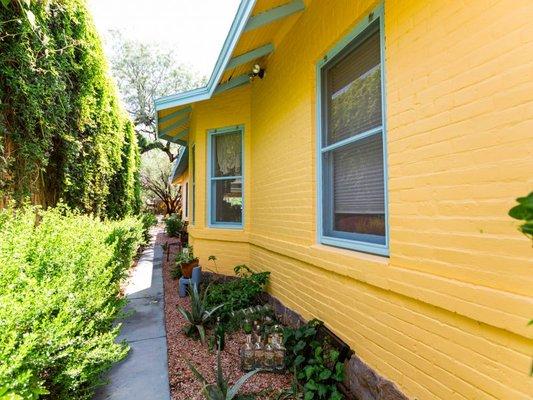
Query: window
column 186, row 200
column 193, row 179
column 225, row 177
column 352, row 192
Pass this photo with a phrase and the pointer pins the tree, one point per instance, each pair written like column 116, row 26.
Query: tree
column 155, row 180
column 143, row 73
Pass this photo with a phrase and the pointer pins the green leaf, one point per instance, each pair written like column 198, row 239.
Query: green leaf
column 237, row 386
column 5, row 3
column 299, row 346
column 196, row 373
column 309, row 370
column 524, row 209
column 336, row 396
column 339, row 372
column 325, row 375
column 311, row 385
column 309, row 395
column 201, row 331
column 299, row 360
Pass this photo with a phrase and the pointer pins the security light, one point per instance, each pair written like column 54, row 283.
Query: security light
column 257, row 71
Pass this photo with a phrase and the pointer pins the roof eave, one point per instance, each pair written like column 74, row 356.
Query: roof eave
column 237, row 27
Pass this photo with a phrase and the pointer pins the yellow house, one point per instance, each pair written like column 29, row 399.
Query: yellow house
column 366, row 153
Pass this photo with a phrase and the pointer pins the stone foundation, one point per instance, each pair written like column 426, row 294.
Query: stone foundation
column 361, row 382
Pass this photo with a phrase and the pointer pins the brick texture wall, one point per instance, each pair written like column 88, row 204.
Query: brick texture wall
column 445, row 316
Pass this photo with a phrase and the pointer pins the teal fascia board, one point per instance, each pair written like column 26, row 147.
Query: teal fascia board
column 274, row 14
column 181, row 164
column 238, row 81
column 237, row 27
column 251, row 55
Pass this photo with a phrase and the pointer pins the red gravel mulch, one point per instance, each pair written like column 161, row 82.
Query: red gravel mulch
column 183, row 385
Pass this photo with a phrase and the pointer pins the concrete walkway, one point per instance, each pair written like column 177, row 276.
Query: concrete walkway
column 143, row 374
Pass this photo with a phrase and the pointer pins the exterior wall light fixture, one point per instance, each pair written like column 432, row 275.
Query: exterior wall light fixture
column 257, row 71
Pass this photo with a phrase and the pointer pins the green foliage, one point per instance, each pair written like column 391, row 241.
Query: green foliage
column 524, row 212
column 173, row 225
column 59, row 112
column 238, row 293
column 316, row 366
column 185, row 256
column 199, row 315
column 148, row 220
column 220, row 390
column 59, row 295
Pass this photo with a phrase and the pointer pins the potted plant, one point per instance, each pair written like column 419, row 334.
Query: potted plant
column 186, row 261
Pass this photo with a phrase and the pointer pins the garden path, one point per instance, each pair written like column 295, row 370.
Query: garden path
column 143, row 374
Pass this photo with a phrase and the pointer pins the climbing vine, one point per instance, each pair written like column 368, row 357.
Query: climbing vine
column 63, row 134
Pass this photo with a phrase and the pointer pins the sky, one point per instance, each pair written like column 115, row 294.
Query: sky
column 194, row 29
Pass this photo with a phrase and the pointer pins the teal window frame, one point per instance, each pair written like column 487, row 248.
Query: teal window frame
column 358, row 242
column 211, row 206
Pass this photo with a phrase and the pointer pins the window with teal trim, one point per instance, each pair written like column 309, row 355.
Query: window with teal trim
column 226, row 177
column 353, row 193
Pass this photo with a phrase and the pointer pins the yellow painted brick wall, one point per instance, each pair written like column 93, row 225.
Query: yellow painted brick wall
column 230, row 246
column 445, row 317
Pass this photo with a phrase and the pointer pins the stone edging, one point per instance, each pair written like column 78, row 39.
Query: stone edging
column 361, row 381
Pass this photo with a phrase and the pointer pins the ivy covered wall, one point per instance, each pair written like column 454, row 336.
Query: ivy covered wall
column 63, row 133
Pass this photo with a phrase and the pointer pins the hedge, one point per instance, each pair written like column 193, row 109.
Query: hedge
column 60, row 275
column 63, row 132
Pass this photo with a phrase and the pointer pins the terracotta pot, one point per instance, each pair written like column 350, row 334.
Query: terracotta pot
column 186, row 269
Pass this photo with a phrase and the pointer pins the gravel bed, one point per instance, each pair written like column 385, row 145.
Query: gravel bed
column 183, row 385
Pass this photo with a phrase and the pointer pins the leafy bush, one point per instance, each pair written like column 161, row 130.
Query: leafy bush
column 173, row 225
column 315, row 364
column 238, row 293
column 60, row 113
column 59, row 295
column 148, row 220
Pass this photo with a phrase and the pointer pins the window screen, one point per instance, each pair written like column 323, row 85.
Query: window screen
column 353, row 184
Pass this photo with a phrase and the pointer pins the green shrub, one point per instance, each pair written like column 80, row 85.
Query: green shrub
column 148, row 220
column 59, row 295
column 60, row 112
column 173, row 225
column 238, row 293
column 315, row 363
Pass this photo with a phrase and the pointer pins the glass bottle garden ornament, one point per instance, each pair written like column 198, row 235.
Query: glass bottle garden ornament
column 247, row 355
column 257, row 331
column 259, row 354
column 279, row 355
column 269, row 356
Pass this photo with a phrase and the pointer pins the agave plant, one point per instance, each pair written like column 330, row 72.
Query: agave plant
column 198, row 316
column 220, row 390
